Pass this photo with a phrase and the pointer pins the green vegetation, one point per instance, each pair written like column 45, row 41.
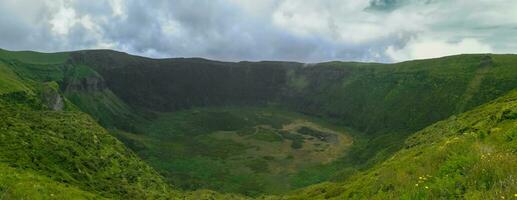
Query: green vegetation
column 70, row 123
column 470, row 156
column 26, row 184
column 69, row 147
column 249, row 150
column 9, row 81
column 35, row 57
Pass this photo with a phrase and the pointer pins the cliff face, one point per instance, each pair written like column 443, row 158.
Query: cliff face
column 86, row 84
column 52, row 99
column 370, row 97
column 173, row 84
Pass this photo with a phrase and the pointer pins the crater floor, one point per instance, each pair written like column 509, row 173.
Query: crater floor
column 248, row 150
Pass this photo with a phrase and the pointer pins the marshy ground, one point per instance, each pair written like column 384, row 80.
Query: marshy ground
column 249, row 150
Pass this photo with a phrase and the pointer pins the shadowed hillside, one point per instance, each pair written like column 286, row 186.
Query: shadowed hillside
column 372, row 98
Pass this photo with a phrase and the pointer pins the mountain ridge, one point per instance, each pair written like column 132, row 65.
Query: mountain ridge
column 384, row 104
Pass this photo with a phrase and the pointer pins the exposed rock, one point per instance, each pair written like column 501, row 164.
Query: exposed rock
column 87, row 84
column 51, row 97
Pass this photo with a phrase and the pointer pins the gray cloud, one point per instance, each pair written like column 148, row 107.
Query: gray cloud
column 306, row 31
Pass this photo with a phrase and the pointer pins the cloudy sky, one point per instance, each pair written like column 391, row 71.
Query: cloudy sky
column 232, row 30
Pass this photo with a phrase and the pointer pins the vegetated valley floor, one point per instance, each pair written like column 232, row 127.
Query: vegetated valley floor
column 249, row 150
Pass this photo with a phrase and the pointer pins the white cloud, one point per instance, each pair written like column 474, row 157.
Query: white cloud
column 307, row 31
column 431, row 48
column 63, row 20
column 117, row 7
column 348, row 23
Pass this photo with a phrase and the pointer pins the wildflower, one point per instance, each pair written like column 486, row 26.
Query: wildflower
column 426, row 187
column 515, row 195
column 417, row 186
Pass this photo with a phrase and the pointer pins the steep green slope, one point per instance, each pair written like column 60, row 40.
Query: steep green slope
column 373, row 98
column 470, row 156
column 80, row 84
column 27, row 184
column 404, row 97
column 9, row 81
column 173, row 84
column 70, row 147
column 61, row 154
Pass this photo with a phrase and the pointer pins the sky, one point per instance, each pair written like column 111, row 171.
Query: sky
column 291, row 30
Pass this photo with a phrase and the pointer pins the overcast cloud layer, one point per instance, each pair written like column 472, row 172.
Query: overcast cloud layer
column 296, row 30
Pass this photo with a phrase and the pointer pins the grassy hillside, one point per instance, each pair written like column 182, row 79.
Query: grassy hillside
column 402, row 97
column 9, row 81
column 26, row 184
column 469, row 156
column 60, row 154
column 35, row 57
column 69, row 147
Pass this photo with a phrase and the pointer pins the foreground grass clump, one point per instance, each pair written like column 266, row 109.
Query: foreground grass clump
column 470, row 156
column 27, row 184
column 247, row 150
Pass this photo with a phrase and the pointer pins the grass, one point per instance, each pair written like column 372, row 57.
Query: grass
column 34, row 57
column 470, row 156
column 243, row 150
column 71, row 149
column 105, row 107
column 9, row 81
column 27, row 184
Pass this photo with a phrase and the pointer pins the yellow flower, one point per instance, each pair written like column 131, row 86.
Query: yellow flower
column 515, row 195
column 426, row 187
column 416, row 184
